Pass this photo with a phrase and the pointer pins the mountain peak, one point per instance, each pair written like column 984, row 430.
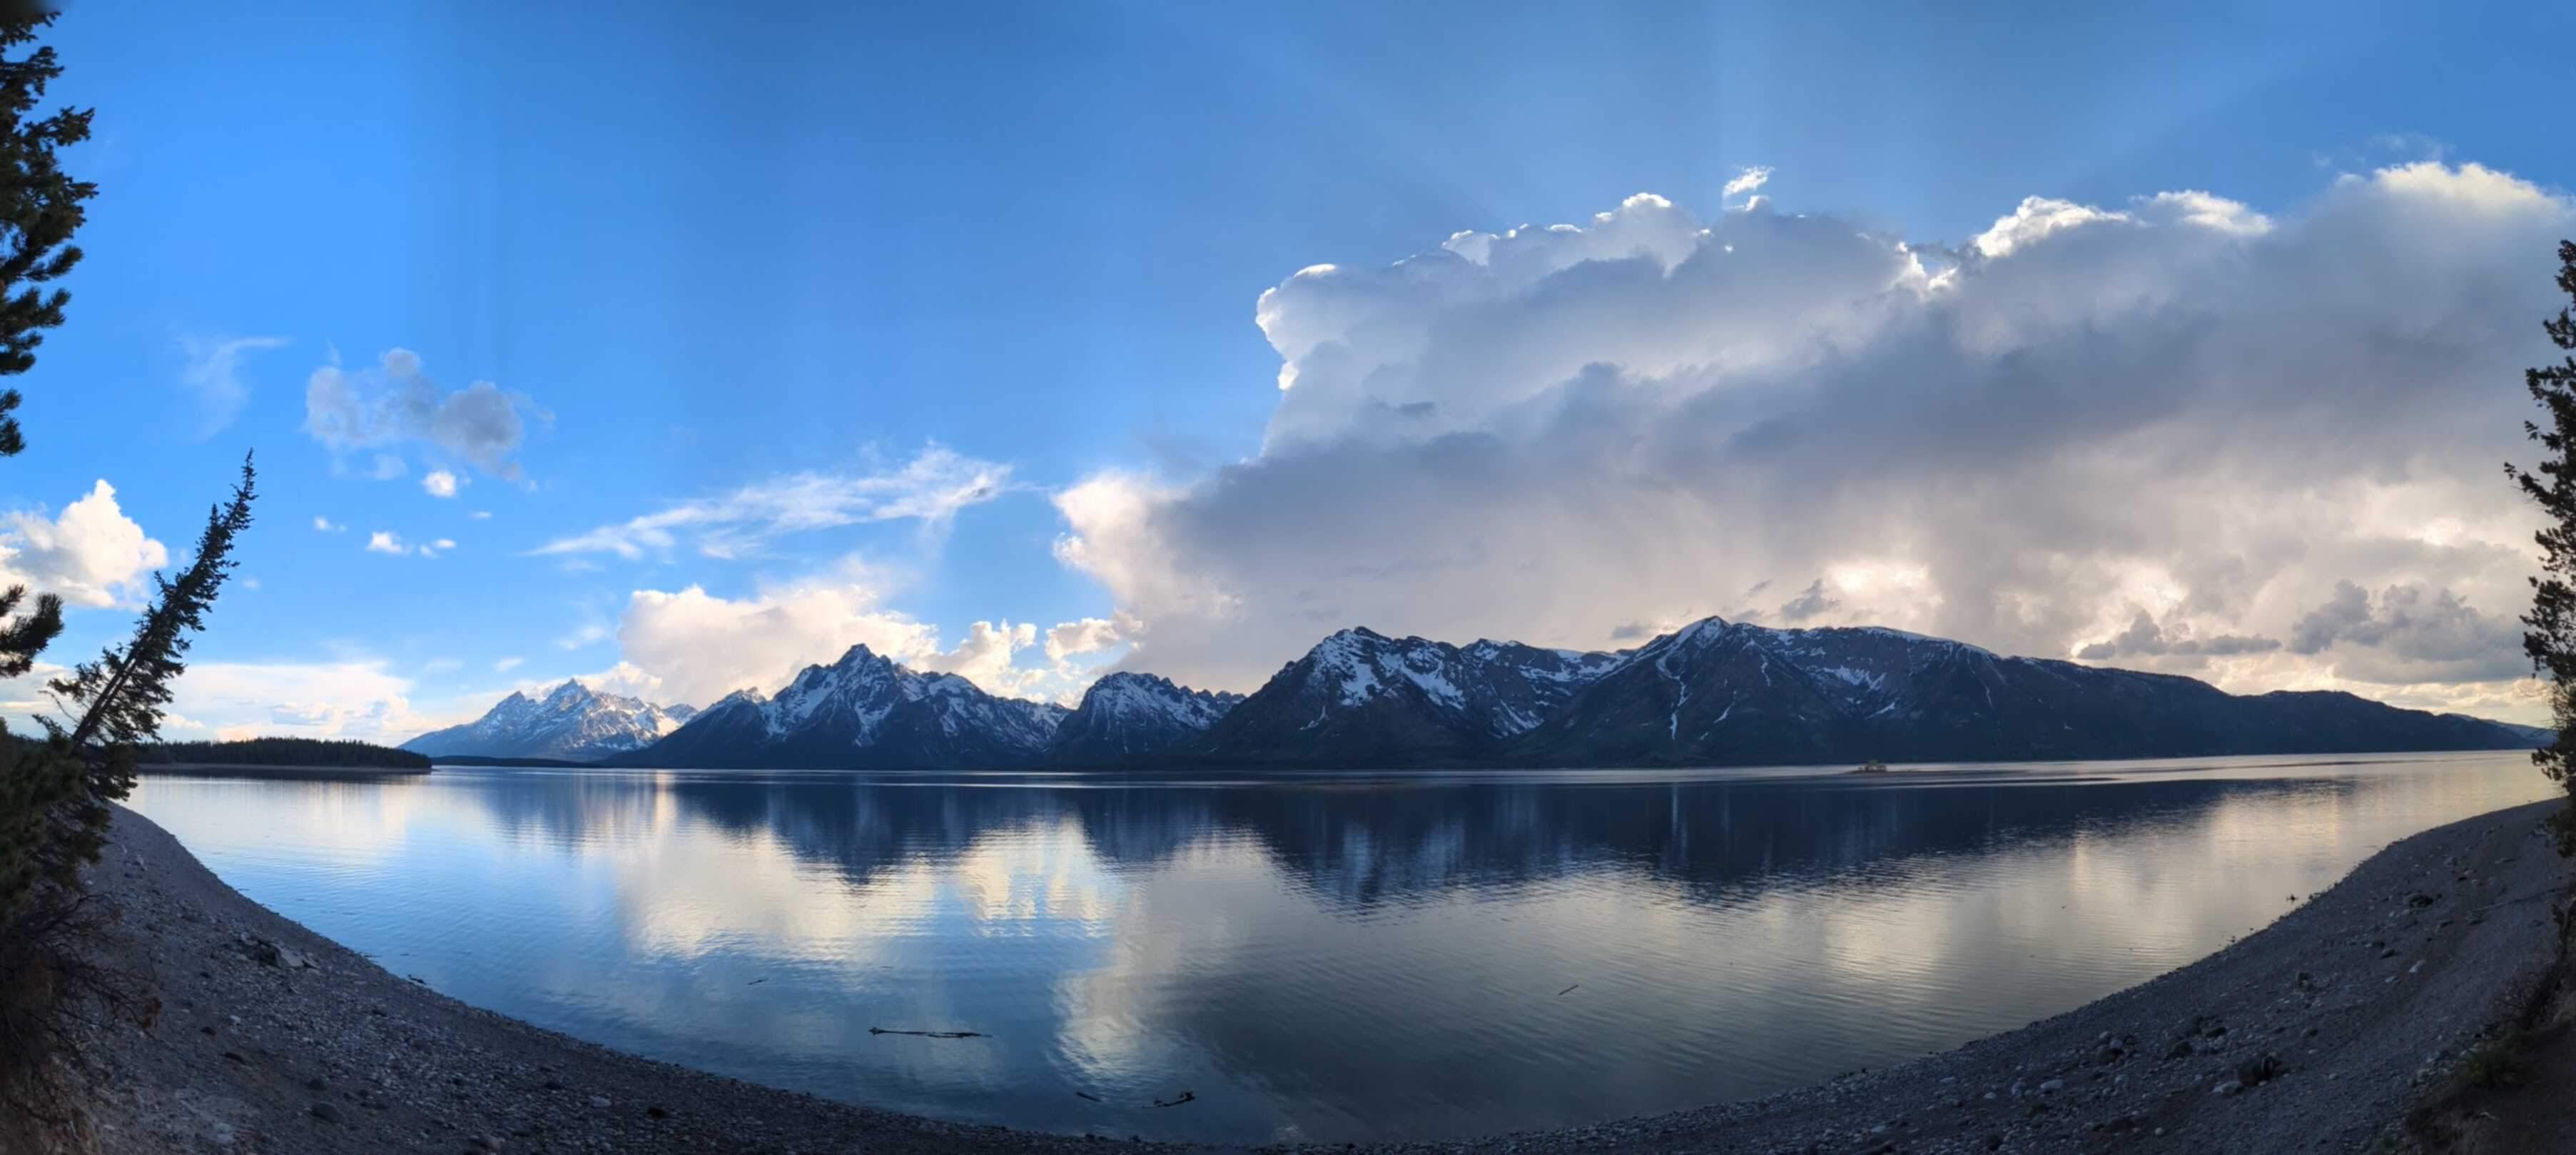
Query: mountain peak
column 860, row 654
column 1131, row 677
column 571, row 721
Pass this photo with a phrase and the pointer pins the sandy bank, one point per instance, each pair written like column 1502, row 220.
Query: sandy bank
column 2327, row 1023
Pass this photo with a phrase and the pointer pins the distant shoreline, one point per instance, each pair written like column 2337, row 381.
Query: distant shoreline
column 241, row 770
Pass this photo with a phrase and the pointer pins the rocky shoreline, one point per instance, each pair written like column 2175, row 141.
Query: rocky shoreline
column 2315, row 1034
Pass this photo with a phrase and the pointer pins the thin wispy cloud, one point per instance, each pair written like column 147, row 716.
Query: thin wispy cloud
column 1752, row 178
column 214, row 375
column 931, row 488
column 326, row 525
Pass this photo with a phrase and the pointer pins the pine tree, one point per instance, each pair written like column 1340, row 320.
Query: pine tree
column 2551, row 640
column 40, row 205
column 40, row 209
column 54, row 798
column 122, row 693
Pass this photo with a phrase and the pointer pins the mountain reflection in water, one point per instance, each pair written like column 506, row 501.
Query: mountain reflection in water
column 1322, row 957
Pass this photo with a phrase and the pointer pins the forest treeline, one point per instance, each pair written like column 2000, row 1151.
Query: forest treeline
column 278, row 752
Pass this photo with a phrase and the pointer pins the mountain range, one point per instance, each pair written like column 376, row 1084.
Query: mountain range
column 1713, row 693
column 572, row 722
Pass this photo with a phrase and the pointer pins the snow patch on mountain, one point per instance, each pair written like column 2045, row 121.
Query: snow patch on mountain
column 1128, row 715
column 571, row 722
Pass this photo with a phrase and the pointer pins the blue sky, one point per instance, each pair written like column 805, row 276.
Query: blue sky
column 733, row 262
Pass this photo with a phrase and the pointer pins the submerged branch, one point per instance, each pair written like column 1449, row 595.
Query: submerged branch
column 930, row 1034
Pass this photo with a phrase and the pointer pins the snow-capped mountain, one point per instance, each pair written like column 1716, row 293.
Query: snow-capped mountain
column 1362, row 697
column 1721, row 693
column 1125, row 716
column 1714, row 693
column 572, row 722
column 861, row 712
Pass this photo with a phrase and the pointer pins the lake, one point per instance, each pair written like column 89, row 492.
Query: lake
column 1321, row 957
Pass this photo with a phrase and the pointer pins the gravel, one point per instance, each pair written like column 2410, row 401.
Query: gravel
column 2315, row 1034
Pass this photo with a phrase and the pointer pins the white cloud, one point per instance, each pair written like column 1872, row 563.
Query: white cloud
column 931, row 488
column 2035, row 219
column 1085, row 636
column 2175, row 406
column 589, row 634
column 385, row 542
column 326, row 525
column 394, row 403
column 692, row 646
column 93, row 555
column 438, row 483
column 984, row 658
column 702, row 647
column 1752, row 178
column 213, row 373
column 481, row 515
column 340, row 699
column 506, row 665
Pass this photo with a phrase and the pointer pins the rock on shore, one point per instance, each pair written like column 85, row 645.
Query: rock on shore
column 2315, row 1034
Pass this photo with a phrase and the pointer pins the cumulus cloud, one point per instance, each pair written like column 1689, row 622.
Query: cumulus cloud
column 92, row 555
column 438, row 483
column 395, row 403
column 1083, row 636
column 1809, row 603
column 2410, row 634
column 931, row 488
column 2177, row 404
column 692, row 646
column 984, row 658
column 2145, row 638
column 1749, row 180
column 326, row 525
column 701, row 647
column 359, row 699
column 213, row 373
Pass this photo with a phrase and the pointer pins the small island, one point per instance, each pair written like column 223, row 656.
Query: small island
column 1873, row 766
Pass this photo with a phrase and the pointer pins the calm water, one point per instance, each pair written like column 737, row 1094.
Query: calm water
column 1320, row 957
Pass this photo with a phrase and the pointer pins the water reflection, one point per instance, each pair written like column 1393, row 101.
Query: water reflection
column 1323, row 957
